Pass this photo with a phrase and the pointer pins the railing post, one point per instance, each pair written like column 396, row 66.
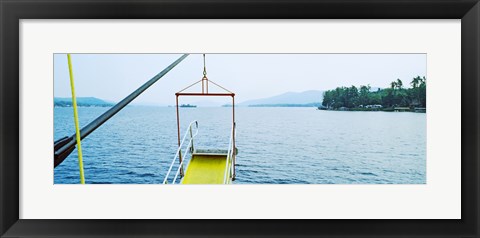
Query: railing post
column 178, row 133
column 181, row 165
column 191, row 138
column 233, row 135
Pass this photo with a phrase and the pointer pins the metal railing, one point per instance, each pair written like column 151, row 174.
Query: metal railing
column 188, row 149
column 230, row 157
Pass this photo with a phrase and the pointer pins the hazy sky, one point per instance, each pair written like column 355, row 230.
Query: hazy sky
column 249, row 76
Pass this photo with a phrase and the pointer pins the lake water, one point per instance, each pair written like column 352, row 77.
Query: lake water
column 276, row 145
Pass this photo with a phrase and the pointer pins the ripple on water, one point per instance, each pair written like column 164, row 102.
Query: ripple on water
column 276, row 145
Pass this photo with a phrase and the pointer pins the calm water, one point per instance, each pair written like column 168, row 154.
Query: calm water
column 276, row 145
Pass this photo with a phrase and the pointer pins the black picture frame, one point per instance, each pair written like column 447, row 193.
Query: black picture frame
column 11, row 11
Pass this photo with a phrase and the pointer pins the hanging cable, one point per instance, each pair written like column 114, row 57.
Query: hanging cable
column 204, row 67
column 204, row 79
column 64, row 146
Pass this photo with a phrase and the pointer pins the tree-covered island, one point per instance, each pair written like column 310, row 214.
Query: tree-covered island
column 394, row 98
column 81, row 102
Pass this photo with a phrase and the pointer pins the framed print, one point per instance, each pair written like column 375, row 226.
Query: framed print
column 238, row 118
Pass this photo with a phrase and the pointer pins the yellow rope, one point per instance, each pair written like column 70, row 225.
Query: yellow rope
column 77, row 127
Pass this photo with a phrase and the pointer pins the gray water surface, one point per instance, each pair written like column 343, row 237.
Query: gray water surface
column 277, row 145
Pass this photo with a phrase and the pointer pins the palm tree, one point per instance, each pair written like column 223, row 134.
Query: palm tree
column 393, row 85
column 416, row 81
column 423, row 81
column 417, row 84
column 399, row 84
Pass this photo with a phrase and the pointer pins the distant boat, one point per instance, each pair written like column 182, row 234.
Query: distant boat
column 188, row 105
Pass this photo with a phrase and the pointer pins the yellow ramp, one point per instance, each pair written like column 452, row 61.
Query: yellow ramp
column 205, row 169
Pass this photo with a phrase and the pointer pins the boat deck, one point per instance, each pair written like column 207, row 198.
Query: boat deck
column 206, row 167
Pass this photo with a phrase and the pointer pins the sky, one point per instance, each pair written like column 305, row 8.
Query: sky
column 250, row 76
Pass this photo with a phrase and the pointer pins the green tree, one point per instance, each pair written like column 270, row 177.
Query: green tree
column 395, row 95
column 416, row 81
column 387, row 96
column 399, row 84
column 351, row 97
column 364, row 95
column 393, row 85
column 328, row 98
column 423, row 92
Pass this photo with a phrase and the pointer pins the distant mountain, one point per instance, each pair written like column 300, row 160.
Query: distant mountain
column 307, row 98
column 312, row 104
column 82, row 102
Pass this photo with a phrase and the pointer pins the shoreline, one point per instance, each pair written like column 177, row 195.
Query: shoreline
column 390, row 109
